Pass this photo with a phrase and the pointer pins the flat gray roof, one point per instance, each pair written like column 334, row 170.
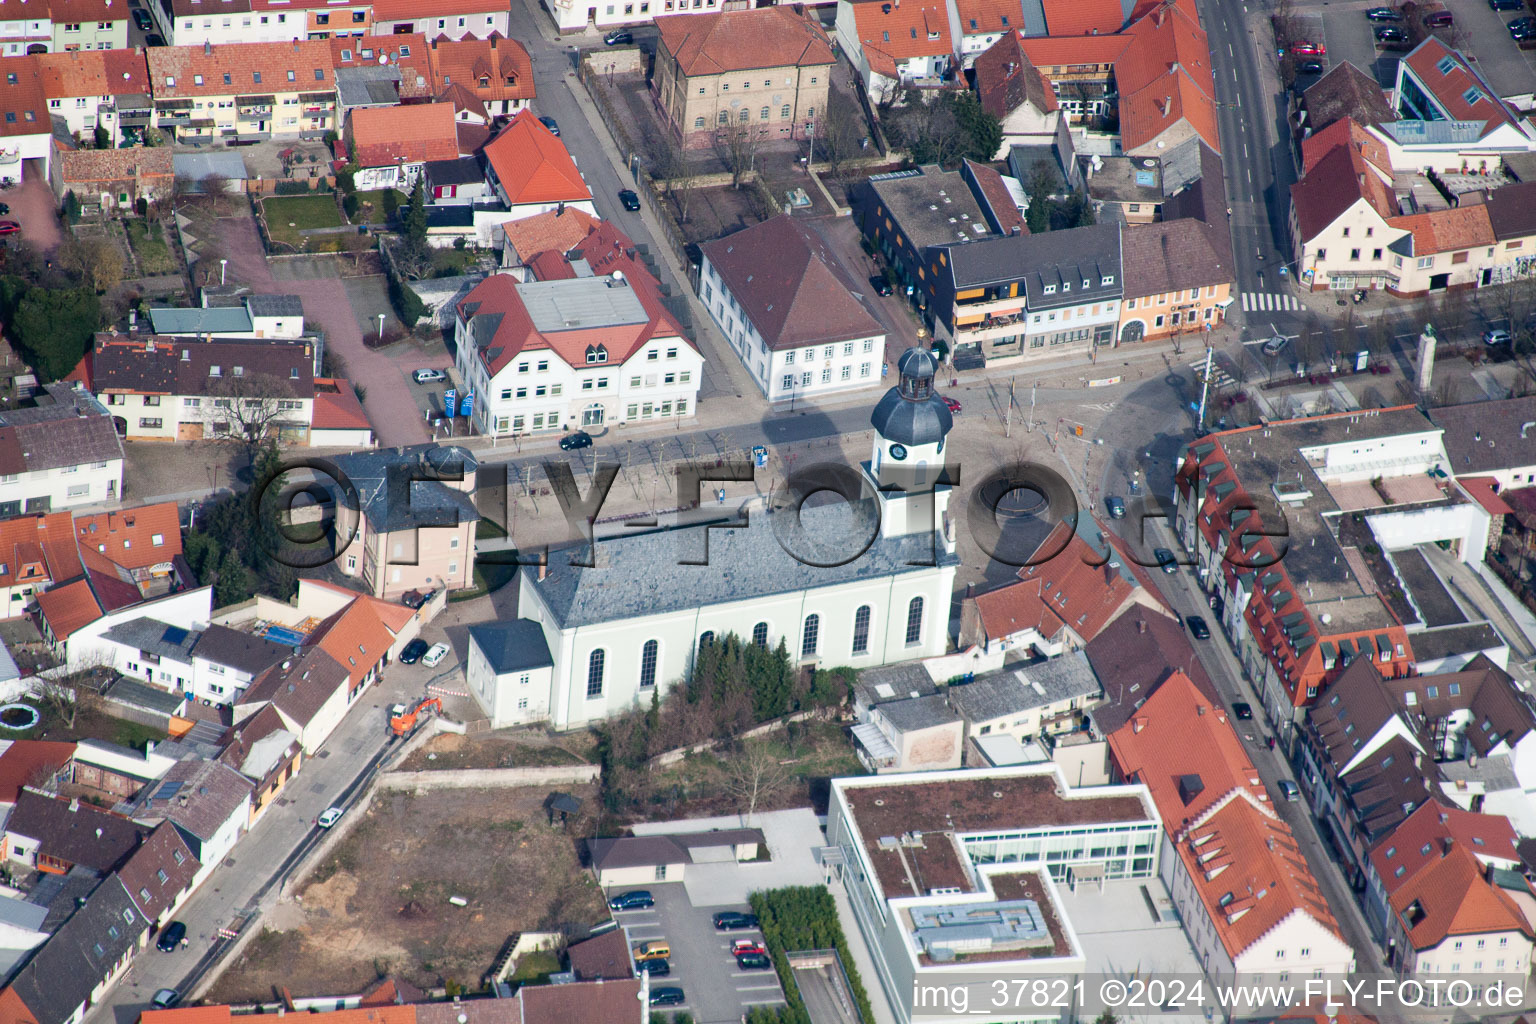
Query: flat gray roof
column 576, row 304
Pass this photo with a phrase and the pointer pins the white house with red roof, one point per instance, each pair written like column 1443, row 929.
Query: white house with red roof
column 392, row 145
column 1450, row 119
column 25, row 127
column 531, row 171
column 894, row 45
column 435, row 19
column 586, row 343
column 92, row 89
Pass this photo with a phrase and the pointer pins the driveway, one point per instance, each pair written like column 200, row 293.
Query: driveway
column 328, row 303
column 34, row 208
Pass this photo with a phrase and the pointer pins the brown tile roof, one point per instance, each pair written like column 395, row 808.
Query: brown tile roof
column 1346, row 91
column 91, row 166
column 162, row 365
column 77, row 73
column 993, row 197
column 74, row 831
column 1339, row 174
column 917, row 28
column 74, row 11
column 557, row 230
column 38, row 547
column 533, row 166
column 25, row 762
column 1512, row 209
column 1133, row 656
column 1169, row 255
column 605, row 957
column 1083, row 17
column 252, row 69
column 790, row 284
column 405, row 10
column 301, row 689
column 1005, row 79
column 210, row 794
column 766, row 37
column 152, row 874
column 607, row 1002
column 382, row 136
column 134, row 538
column 1461, row 227
column 1451, row 897
column 337, row 407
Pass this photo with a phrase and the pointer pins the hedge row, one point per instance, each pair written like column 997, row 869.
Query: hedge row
column 793, row 920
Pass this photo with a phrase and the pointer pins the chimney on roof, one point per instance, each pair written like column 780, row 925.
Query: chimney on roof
column 1446, row 845
column 1138, row 723
column 493, row 40
column 207, row 48
column 543, row 567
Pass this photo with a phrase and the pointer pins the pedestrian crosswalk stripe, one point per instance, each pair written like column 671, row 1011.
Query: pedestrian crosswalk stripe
column 1268, row 302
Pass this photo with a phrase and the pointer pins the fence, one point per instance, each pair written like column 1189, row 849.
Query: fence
column 668, row 757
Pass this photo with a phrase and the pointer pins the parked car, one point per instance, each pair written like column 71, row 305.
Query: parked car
column 153, row 40
column 1522, row 28
column 1311, row 67
column 1289, row 791
column 141, row 18
column 619, row 37
column 731, row 920
column 1273, row 346
column 667, row 995
column 1307, row 48
column 1242, row 711
column 9, row 227
column 1197, row 628
column 1438, row 19
column 741, row 946
column 1384, row 14
column 329, row 818
column 881, row 286
column 429, row 376
column 1391, row 34
column 629, row 199
column 165, row 998
column 1497, row 336
column 413, row 651
column 753, row 961
column 635, row 899
column 1165, row 560
column 571, row 442
column 658, row 968
column 552, row 125
column 171, row 936
column 1115, row 506
column 413, row 599
column 952, row 404
column 657, row 950
column 435, row 655
column 1506, row 5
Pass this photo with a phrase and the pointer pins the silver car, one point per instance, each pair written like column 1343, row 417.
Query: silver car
column 428, row 376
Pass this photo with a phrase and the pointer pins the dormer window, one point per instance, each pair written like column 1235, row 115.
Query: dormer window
column 1049, row 289
column 1066, row 286
column 239, row 371
column 1107, row 280
column 1087, row 283
column 197, row 79
column 214, row 371
column 597, row 354
column 485, row 81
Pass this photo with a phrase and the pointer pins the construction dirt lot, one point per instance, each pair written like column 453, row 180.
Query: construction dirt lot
column 378, row 904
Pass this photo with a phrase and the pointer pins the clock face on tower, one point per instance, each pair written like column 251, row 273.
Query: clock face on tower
column 898, row 452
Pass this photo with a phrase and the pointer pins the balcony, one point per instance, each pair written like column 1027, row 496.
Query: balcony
column 992, row 327
column 989, row 306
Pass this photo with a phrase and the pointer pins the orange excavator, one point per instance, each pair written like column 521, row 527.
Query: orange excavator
column 402, row 720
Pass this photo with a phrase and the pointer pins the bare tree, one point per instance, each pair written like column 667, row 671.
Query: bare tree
column 670, row 162
column 248, row 407
column 755, row 775
column 214, row 188
column 736, row 145
column 842, row 130
column 69, row 694
column 97, row 262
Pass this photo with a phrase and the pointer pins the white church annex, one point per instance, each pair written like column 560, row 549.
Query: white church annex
column 632, row 622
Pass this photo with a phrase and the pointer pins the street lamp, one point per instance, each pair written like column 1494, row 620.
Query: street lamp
column 222, row 265
column 381, row 327
column 810, row 133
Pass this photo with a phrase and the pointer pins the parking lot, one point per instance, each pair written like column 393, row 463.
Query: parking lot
column 716, row 990
column 1479, row 32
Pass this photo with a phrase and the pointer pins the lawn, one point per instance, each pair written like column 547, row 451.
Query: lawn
column 148, row 241
column 375, row 214
column 452, row 262
column 288, row 215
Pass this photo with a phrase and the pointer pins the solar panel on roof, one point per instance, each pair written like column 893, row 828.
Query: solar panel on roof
column 175, row 635
column 168, row 790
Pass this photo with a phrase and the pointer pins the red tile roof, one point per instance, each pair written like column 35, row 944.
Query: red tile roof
column 1451, row 897
column 1430, row 832
column 1485, row 491
column 94, row 73
column 1344, row 164
column 68, row 608
column 38, row 548
column 23, row 98
column 1165, row 75
column 533, row 166
column 405, row 10
column 253, row 69
column 1005, row 79
column 1079, row 588
column 337, row 407
column 749, row 40
column 382, row 136
column 487, row 70
column 557, row 230
column 1450, row 87
column 129, row 538
column 25, row 762
column 1243, row 859
column 917, row 28
column 356, row 638
column 1448, row 230
column 1083, row 17
column 979, row 17
column 1061, row 51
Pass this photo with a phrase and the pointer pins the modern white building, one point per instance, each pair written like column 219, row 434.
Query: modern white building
column 872, row 592
column 924, row 855
column 790, row 312
column 588, row 345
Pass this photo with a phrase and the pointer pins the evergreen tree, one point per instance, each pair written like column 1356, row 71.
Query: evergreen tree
column 415, row 221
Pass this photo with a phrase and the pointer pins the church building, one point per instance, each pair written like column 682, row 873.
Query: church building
column 860, row 583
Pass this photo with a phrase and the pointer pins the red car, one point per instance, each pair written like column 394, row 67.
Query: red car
column 9, row 227
column 741, row 946
column 1307, row 48
column 952, row 404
